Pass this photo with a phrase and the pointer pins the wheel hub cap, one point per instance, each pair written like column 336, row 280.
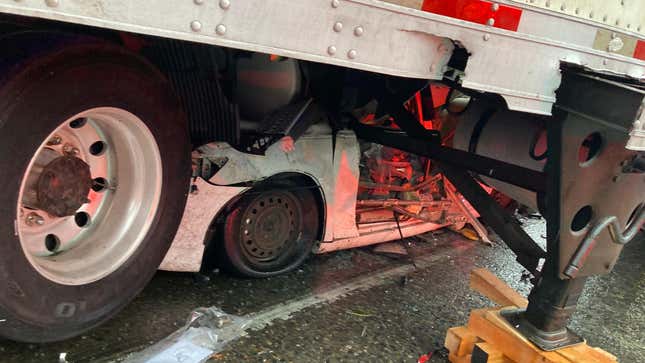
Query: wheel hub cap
column 273, row 228
column 63, row 186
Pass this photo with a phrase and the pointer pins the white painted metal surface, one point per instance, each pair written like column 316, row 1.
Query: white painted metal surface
column 636, row 140
column 312, row 156
column 314, row 30
column 185, row 253
column 378, row 233
column 623, row 14
column 523, row 66
column 346, row 175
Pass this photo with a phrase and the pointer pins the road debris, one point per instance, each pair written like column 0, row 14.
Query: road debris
column 392, row 249
column 360, row 313
column 206, row 332
column 209, row 330
column 424, row 358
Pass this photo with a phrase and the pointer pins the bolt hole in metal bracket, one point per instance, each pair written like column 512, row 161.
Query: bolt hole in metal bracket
column 393, row 37
column 601, row 198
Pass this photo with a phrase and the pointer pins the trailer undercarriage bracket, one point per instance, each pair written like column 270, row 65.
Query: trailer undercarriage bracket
column 513, row 174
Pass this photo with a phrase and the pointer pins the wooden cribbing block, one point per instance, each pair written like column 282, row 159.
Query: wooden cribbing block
column 489, row 338
column 489, row 285
column 460, row 341
column 463, row 359
column 486, row 325
column 585, row 354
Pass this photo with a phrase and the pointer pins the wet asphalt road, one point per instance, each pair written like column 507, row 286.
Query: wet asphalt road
column 395, row 322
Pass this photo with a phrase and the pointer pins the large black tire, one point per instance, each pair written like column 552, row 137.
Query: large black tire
column 269, row 231
column 60, row 78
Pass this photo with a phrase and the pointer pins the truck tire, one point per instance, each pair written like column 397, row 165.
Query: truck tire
column 94, row 173
column 269, row 231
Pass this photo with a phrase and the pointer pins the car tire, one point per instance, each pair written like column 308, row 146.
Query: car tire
column 269, row 231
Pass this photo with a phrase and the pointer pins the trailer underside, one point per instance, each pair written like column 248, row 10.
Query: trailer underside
column 353, row 66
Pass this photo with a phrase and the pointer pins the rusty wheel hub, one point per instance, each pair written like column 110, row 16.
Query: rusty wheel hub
column 63, row 186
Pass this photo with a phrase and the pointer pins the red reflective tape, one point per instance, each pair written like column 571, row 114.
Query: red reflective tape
column 639, row 52
column 476, row 11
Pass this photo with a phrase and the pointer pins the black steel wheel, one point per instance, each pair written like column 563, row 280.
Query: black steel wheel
column 268, row 232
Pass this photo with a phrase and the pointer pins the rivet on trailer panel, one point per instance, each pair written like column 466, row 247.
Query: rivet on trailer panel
column 195, row 26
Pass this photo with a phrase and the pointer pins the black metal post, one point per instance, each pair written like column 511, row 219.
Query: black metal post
column 552, row 302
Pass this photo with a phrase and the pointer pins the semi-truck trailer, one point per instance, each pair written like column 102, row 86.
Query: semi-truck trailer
column 248, row 134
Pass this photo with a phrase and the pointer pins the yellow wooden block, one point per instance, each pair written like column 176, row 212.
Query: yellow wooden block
column 489, row 338
column 585, row 354
column 460, row 341
column 512, row 344
column 456, row 359
column 489, row 285
column 453, row 338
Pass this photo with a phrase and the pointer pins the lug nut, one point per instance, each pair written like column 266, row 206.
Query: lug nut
column 69, row 149
column 34, row 219
column 55, row 140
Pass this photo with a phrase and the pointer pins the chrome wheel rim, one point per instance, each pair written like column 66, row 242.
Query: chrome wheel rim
column 89, row 196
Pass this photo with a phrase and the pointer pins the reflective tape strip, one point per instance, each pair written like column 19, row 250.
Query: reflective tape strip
column 639, row 52
column 618, row 43
column 477, row 11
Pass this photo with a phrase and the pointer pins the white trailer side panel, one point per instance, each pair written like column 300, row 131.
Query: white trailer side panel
column 523, row 66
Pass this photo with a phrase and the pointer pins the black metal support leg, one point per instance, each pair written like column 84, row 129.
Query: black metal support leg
column 552, row 302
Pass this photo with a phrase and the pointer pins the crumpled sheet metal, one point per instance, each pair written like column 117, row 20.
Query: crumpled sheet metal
column 207, row 331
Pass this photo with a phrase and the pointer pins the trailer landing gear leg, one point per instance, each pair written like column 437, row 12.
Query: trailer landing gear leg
column 590, row 192
column 552, row 302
